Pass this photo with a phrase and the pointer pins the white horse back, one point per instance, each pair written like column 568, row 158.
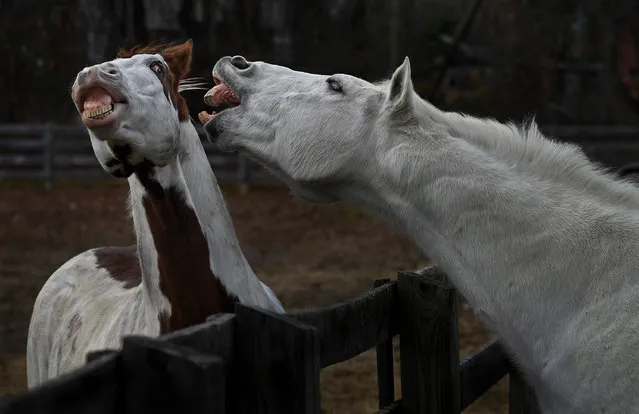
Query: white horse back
column 82, row 308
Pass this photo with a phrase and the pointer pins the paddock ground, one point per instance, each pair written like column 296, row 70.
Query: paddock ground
column 310, row 255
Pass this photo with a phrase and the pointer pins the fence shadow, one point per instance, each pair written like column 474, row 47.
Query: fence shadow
column 254, row 361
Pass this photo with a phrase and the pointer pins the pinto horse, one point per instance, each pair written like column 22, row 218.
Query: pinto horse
column 187, row 263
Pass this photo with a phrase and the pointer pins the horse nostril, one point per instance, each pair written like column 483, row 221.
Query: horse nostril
column 239, row 62
column 110, row 71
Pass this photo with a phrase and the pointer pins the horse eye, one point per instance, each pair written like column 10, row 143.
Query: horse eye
column 334, row 85
column 157, row 67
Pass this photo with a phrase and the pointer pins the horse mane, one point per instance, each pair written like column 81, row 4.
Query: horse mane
column 525, row 147
column 178, row 58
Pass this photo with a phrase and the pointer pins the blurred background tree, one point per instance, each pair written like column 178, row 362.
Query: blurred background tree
column 520, row 57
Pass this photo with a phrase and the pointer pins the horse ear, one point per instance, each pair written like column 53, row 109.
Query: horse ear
column 400, row 92
column 179, row 58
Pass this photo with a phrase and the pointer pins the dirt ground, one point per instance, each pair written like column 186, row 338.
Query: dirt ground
column 310, row 256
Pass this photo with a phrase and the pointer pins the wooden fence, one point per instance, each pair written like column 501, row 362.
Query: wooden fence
column 257, row 362
column 48, row 152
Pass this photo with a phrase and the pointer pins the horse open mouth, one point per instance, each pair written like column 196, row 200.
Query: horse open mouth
column 99, row 106
column 220, row 97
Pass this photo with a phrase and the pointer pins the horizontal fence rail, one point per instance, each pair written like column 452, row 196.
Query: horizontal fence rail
column 254, row 361
column 49, row 151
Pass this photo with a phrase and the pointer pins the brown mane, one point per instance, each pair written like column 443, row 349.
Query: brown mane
column 178, row 58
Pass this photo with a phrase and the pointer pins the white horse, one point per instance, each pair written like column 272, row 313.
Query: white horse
column 187, row 263
column 540, row 241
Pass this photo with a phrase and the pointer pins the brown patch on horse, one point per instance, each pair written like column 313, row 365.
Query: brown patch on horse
column 122, row 263
column 186, row 278
column 178, row 58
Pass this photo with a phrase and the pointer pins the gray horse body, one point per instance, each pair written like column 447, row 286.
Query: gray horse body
column 539, row 240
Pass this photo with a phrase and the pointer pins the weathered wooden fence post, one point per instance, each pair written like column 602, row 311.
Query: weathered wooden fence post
column 89, row 389
column 49, row 154
column 160, row 377
column 213, row 337
column 385, row 365
column 429, row 346
column 94, row 355
column 276, row 364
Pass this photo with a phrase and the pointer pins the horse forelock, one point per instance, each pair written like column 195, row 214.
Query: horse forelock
column 177, row 58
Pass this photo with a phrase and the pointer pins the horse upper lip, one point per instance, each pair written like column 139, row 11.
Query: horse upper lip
column 218, row 79
column 81, row 93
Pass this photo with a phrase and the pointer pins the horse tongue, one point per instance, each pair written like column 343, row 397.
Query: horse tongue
column 205, row 117
column 220, row 94
column 96, row 98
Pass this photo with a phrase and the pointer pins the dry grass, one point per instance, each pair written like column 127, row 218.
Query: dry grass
column 310, row 255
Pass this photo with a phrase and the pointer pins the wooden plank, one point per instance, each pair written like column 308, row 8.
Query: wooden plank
column 12, row 132
column 69, row 130
column 37, row 129
column 393, row 408
column 481, row 370
column 66, row 144
column 213, row 337
column 72, row 149
column 385, row 364
column 80, row 144
column 81, row 174
column 276, row 367
column 15, row 160
column 428, row 343
column 92, row 388
column 21, row 129
column 95, row 355
column 20, row 144
column 21, row 174
column 49, row 155
column 160, row 377
column 521, row 398
column 88, row 160
column 350, row 328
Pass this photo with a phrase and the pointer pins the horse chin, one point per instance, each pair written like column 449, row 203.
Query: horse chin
column 120, row 172
column 117, row 168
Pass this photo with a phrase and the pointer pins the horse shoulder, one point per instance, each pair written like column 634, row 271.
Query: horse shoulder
column 64, row 307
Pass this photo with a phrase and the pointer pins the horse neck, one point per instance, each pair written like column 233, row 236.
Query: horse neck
column 527, row 148
column 527, row 255
column 226, row 257
column 179, row 284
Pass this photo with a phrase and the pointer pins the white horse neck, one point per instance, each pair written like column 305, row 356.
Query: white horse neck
column 525, row 147
column 529, row 255
column 226, row 257
column 179, row 284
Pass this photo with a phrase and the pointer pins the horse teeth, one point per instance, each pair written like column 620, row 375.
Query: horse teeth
column 204, row 116
column 100, row 112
